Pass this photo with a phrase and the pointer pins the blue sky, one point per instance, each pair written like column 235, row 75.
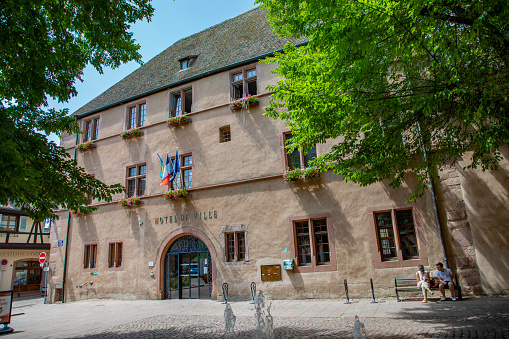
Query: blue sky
column 172, row 21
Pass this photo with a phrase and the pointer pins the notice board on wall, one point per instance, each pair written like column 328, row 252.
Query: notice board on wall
column 271, row 272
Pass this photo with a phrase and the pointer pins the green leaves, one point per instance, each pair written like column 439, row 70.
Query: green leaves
column 44, row 47
column 373, row 70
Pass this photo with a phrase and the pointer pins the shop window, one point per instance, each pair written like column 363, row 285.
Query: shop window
column 181, row 102
column 91, row 126
column 90, row 256
column 184, row 177
column 235, row 246
column 224, row 134
column 313, row 243
column 136, row 115
column 27, row 276
column 244, row 83
column 136, row 180
column 115, row 254
column 396, row 238
column 297, row 158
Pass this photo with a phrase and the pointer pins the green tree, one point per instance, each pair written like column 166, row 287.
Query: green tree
column 44, row 47
column 403, row 86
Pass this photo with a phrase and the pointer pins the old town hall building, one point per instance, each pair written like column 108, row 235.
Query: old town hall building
column 241, row 221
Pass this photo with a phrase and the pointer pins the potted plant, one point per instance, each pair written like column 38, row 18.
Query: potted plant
column 310, row 173
column 82, row 210
column 133, row 201
column 244, row 103
column 175, row 194
column 301, row 174
column 179, row 120
column 131, row 133
column 85, row 145
column 292, row 175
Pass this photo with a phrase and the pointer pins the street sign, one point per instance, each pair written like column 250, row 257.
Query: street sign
column 4, row 262
column 46, row 269
column 60, row 243
column 42, row 257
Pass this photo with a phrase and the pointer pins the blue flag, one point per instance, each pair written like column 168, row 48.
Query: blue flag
column 176, row 166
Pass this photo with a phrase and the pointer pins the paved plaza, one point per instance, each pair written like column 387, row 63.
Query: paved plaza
column 106, row 318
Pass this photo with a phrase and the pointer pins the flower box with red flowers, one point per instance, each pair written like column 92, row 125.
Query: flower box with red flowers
column 131, row 133
column 126, row 202
column 301, row 174
column 82, row 210
column 178, row 120
column 244, row 103
column 176, row 194
column 85, row 145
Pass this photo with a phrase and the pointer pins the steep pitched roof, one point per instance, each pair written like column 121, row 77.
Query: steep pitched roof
column 244, row 37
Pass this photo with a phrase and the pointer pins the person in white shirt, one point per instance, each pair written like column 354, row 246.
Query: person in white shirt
column 447, row 279
column 423, row 282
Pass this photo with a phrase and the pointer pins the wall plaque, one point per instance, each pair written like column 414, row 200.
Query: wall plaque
column 271, row 272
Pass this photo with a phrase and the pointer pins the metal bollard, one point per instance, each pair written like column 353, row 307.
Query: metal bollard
column 346, row 290
column 373, row 301
column 253, row 291
column 225, row 293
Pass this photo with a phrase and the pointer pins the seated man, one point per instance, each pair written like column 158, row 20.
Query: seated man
column 447, row 279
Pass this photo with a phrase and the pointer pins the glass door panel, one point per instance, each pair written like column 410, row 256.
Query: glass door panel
column 184, row 274
column 172, row 282
column 204, row 275
column 194, row 278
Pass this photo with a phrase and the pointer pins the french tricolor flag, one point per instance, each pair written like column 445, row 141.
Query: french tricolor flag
column 167, row 171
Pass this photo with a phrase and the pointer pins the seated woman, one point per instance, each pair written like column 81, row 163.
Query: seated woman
column 423, row 281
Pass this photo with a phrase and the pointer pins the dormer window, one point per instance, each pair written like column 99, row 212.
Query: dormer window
column 187, row 62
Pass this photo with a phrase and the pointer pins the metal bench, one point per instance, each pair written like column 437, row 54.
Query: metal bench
column 410, row 284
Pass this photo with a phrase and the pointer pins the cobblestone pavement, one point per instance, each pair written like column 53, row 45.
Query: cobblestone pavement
column 342, row 327
column 108, row 318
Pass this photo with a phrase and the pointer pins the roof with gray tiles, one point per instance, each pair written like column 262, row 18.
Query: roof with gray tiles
column 228, row 44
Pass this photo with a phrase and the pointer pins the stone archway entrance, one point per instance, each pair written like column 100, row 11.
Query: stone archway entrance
column 187, row 269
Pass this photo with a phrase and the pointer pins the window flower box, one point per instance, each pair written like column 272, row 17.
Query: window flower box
column 133, row 201
column 82, row 210
column 310, row 173
column 175, row 194
column 131, row 133
column 301, row 174
column 244, row 103
column 85, row 145
column 178, row 120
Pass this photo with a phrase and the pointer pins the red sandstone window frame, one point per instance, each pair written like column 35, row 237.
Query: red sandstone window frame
column 399, row 260
column 91, row 126
column 302, row 155
column 137, row 118
column 90, row 199
column 243, row 76
column 235, row 246
column 185, row 171
column 178, row 102
column 314, row 265
column 90, row 249
column 136, row 178
column 115, row 254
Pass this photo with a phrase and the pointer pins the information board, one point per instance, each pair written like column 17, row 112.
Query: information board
column 271, row 272
column 5, row 307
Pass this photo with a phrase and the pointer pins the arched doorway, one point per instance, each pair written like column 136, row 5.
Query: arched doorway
column 187, row 269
